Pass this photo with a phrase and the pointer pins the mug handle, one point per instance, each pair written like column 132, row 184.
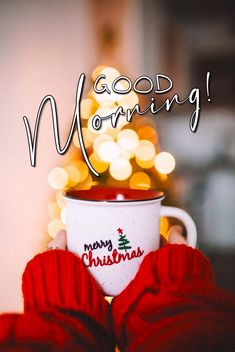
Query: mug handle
column 185, row 218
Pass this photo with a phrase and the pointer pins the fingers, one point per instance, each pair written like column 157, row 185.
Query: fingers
column 176, row 235
column 59, row 242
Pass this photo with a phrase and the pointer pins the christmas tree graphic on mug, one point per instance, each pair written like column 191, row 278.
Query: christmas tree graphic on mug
column 122, row 241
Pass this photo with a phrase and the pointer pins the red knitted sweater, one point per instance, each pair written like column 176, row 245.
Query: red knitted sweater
column 171, row 305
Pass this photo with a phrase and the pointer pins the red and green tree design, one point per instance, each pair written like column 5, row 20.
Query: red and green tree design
column 123, row 241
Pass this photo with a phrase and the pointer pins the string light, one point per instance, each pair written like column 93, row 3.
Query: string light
column 164, row 162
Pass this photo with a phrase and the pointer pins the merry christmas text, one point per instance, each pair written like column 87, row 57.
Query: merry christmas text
column 115, row 258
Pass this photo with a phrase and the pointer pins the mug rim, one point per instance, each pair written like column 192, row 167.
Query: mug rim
column 144, row 195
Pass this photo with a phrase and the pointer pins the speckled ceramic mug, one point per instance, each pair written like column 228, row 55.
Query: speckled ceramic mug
column 112, row 229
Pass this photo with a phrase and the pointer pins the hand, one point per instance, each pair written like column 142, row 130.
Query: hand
column 175, row 237
column 60, row 241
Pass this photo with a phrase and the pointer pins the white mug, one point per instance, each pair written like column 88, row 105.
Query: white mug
column 113, row 229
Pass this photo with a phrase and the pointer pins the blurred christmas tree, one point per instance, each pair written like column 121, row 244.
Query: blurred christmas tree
column 126, row 156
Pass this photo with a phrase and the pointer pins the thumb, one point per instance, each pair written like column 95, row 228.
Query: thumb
column 176, row 235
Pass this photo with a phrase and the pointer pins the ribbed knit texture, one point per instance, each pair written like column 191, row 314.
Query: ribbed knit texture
column 174, row 305
column 58, row 279
column 64, row 308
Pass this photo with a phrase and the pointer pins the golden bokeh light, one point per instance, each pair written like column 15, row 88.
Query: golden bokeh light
column 97, row 72
column 88, row 108
column 126, row 156
column 108, row 151
column 145, row 154
column 164, row 227
column 111, row 73
column 58, row 178
column 99, row 165
column 86, row 184
column 120, row 169
column 140, row 180
column 128, row 140
column 55, row 226
column 73, row 173
column 105, row 124
column 88, row 138
column 129, row 100
column 149, row 133
column 99, row 140
column 164, row 163
column 83, row 169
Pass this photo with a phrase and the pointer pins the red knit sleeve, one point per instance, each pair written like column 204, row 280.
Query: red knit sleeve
column 174, row 304
column 60, row 291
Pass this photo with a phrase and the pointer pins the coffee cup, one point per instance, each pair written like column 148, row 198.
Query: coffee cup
column 113, row 229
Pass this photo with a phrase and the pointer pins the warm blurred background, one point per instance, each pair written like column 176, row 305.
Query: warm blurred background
column 45, row 46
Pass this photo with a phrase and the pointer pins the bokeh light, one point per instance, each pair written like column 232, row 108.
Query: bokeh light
column 88, row 108
column 145, row 154
column 129, row 100
column 164, row 227
column 108, row 151
column 120, row 169
column 149, row 133
column 54, row 226
column 125, row 156
column 128, row 139
column 83, row 169
column 58, row 178
column 73, row 173
column 99, row 165
column 97, row 72
column 140, row 180
column 164, row 162
column 99, row 140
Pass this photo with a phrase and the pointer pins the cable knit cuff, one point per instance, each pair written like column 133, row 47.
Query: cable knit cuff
column 58, row 279
column 180, row 264
column 164, row 276
column 173, row 265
